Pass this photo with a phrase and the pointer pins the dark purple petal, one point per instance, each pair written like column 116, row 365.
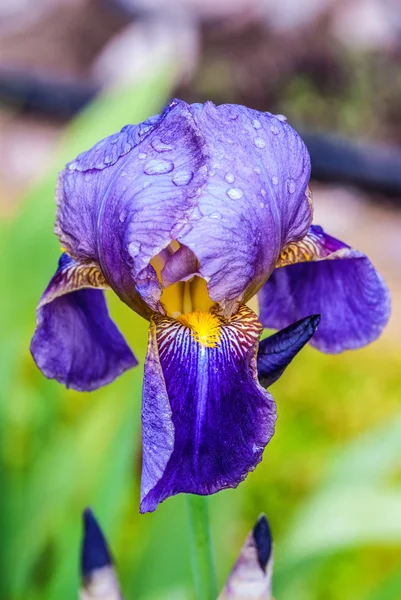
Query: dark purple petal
column 75, row 341
column 251, row 576
column 209, row 418
column 336, row 281
column 99, row 580
column 277, row 351
column 227, row 182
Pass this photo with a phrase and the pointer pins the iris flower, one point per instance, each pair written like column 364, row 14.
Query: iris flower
column 250, row 578
column 187, row 217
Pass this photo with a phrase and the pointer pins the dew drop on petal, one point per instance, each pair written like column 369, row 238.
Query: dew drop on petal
column 114, row 140
column 233, row 116
column 263, row 192
column 256, row 124
column 107, row 159
column 123, row 173
column 216, row 216
column 259, row 142
column 235, row 193
column 291, row 186
column 123, row 215
column 262, row 204
column 127, row 148
column 134, row 248
column 161, row 146
column 281, row 117
column 124, row 188
column 257, row 170
column 142, row 155
column 182, row 177
column 274, row 129
column 158, row 167
column 181, row 228
column 229, row 177
column 275, row 180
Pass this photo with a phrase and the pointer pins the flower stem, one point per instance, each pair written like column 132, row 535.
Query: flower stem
column 201, row 548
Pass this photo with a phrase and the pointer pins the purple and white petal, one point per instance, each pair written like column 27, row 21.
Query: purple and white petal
column 226, row 174
column 323, row 275
column 206, row 402
column 251, row 576
column 75, row 341
column 277, row 351
column 99, row 581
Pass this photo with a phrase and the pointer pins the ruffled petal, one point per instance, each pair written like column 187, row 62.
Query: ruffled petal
column 251, row 576
column 227, row 182
column 277, row 351
column 206, row 420
column 99, row 580
column 75, row 341
column 323, row 275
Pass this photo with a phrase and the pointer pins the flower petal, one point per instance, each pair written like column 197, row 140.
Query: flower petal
column 210, row 420
column 229, row 175
column 98, row 577
column 336, row 281
column 277, row 351
column 251, row 576
column 75, row 341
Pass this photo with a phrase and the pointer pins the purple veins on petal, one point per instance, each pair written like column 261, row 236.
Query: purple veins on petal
column 203, row 370
column 75, row 341
column 323, row 275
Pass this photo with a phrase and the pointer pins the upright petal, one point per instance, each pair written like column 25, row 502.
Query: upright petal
column 229, row 175
column 75, row 341
column 213, row 418
column 323, row 275
column 251, row 576
column 277, row 351
column 99, row 580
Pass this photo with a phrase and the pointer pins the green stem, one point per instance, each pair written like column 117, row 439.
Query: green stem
column 201, row 548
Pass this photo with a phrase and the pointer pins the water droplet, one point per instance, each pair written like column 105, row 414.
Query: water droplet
column 158, row 167
column 256, row 124
column 134, row 248
column 233, row 116
column 142, row 155
column 124, row 188
column 123, row 215
column 181, row 228
column 107, row 159
column 235, row 193
column 263, row 192
column 114, row 140
column 161, row 146
column 123, row 173
column 281, row 117
column 182, row 177
column 262, row 204
column 144, row 130
column 275, row 180
column 229, row 178
column 257, row 170
column 259, row 142
column 212, row 173
column 291, row 186
column 127, row 148
column 216, row 216
column 274, row 129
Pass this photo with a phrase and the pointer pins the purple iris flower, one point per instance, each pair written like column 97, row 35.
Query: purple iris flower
column 186, row 217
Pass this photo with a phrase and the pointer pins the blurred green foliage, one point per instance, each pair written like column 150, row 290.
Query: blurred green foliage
column 331, row 492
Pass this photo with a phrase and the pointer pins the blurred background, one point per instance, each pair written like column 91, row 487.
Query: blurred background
column 73, row 71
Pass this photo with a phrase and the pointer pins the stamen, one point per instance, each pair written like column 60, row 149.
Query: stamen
column 205, row 327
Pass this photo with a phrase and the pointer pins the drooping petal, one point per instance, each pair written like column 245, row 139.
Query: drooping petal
column 228, row 175
column 75, row 341
column 323, row 275
column 251, row 576
column 277, row 351
column 99, row 581
column 206, row 420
